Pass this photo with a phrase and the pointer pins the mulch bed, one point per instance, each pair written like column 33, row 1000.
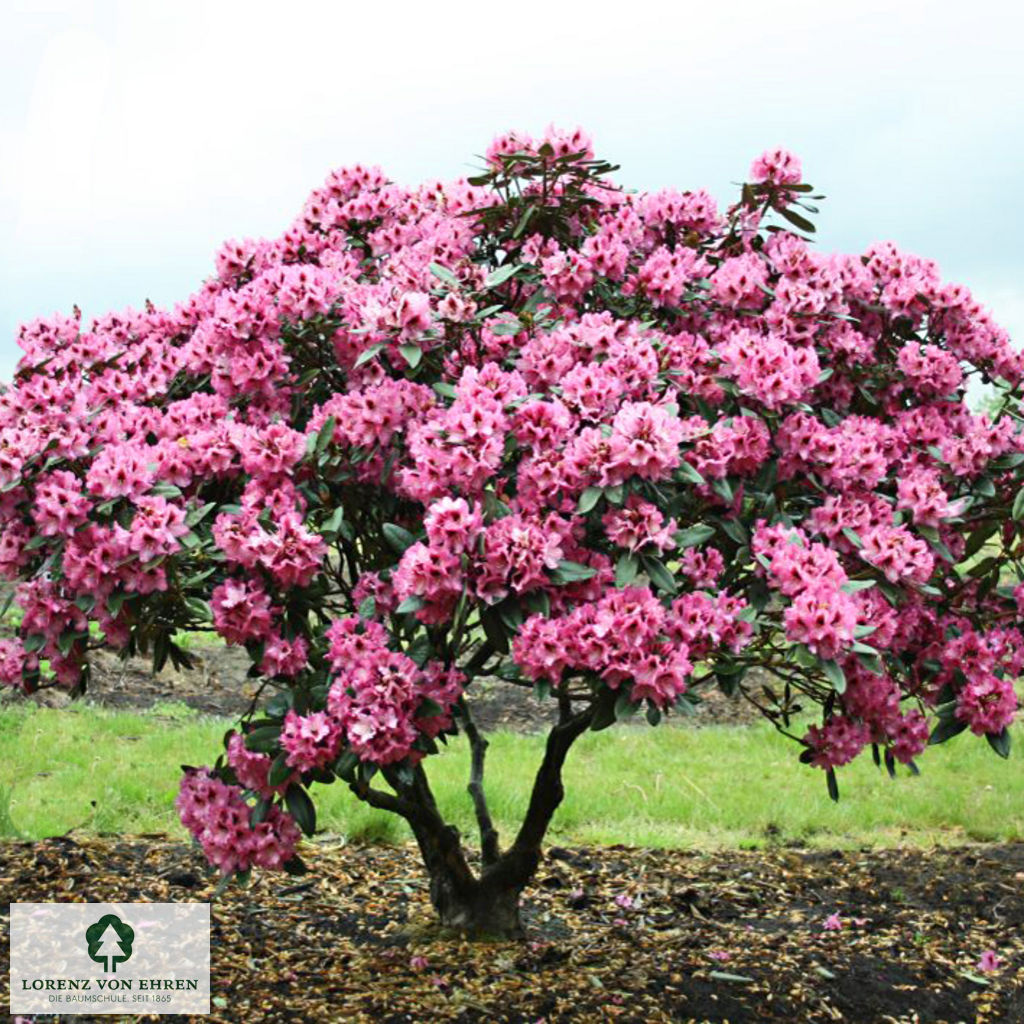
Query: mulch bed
column 219, row 685
column 614, row 934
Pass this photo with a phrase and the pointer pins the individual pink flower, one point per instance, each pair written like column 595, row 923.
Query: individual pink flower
column 897, row 553
column 767, row 368
column 251, row 768
column 987, row 703
column 989, row 961
column 644, row 442
column 921, row 492
column 13, row 660
column 310, row 741
column 283, row 657
column 60, row 504
column 517, row 556
column 156, row 528
column 241, row 611
column 778, row 166
column 703, row 568
column 639, row 524
column 452, row 525
column 823, row 618
column 836, row 743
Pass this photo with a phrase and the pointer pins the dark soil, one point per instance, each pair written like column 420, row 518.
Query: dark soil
column 736, row 936
column 219, row 685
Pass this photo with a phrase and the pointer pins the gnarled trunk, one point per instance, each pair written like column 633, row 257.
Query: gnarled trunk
column 480, row 912
column 485, row 905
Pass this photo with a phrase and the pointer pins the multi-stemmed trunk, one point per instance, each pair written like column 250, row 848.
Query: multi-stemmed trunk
column 485, row 903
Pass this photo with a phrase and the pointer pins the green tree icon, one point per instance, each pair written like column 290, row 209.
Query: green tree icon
column 110, row 941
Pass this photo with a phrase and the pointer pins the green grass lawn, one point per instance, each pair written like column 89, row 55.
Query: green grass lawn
column 106, row 771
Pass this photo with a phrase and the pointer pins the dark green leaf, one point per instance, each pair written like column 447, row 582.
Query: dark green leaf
column 624, row 707
column 694, row 536
column 945, row 729
column 197, row 515
column 834, row 674
column 412, row 354
column 400, row 539
column 797, row 220
column 280, row 771
column 331, row 526
column 301, row 808
column 263, row 740
column 851, row 586
column 324, row 436
column 494, row 629
column 626, row 569
column 833, row 784
column 1018, row 505
column 588, row 499
column 367, row 354
column 444, row 274
column 501, row 275
column 1000, row 742
column 571, row 572
column 658, row 574
column 723, row 488
column 687, row 472
column 735, row 530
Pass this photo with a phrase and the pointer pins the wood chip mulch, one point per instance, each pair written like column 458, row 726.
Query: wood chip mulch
column 615, row 934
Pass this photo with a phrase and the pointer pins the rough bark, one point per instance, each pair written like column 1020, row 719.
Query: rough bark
column 487, row 905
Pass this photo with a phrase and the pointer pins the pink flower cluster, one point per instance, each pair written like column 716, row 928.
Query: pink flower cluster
column 310, row 741
column 219, row 819
column 617, row 638
column 12, row 663
column 821, row 615
column 377, row 697
column 639, row 524
column 768, row 368
column 837, row 742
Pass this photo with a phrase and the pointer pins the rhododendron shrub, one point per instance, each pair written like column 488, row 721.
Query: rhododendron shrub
column 614, row 448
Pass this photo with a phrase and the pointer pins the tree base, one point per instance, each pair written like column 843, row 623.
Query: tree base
column 484, row 916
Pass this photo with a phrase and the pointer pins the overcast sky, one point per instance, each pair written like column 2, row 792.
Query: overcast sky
column 136, row 136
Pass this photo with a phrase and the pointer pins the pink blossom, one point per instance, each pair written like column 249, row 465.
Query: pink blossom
column 241, row 611
column 989, row 961
column 310, row 741
column 778, row 166
column 283, row 657
column 639, row 524
column 156, row 529
column 823, row 618
column 218, row 817
column 836, row 743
